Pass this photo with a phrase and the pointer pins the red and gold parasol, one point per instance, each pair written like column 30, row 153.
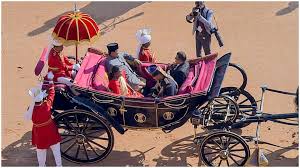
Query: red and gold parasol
column 74, row 28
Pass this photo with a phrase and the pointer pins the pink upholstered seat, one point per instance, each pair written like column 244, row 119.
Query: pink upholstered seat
column 199, row 77
column 92, row 75
column 205, row 76
column 89, row 67
column 188, row 85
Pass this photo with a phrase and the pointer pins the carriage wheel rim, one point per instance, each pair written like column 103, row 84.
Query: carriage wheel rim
column 84, row 140
column 247, row 105
column 214, row 114
column 225, row 153
column 227, row 108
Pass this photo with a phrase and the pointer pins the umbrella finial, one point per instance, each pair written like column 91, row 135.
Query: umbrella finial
column 75, row 8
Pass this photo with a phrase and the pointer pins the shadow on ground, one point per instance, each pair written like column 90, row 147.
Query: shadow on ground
column 290, row 8
column 22, row 153
column 277, row 158
column 178, row 152
column 100, row 11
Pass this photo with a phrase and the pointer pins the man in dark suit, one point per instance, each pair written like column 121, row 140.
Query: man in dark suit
column 180, row 69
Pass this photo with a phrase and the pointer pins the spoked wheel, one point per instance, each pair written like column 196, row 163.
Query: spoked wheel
column 224, row 149
column 222, row 109
column 86, row 136
column 238, row 69
column 246, row 102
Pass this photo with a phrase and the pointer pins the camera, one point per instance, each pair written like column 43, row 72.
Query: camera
column 218, row 36
column 195, row 11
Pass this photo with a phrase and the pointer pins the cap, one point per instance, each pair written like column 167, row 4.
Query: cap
column 112, row 47
column 154, row 70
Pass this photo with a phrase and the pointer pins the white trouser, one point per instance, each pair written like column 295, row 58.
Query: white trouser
column 42, row 155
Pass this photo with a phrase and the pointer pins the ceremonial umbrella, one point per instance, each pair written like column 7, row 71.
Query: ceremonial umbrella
column 74, row 28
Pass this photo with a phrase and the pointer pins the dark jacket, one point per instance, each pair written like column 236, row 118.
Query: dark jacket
column 164, row 87
column 169, row 86
column 180, row 72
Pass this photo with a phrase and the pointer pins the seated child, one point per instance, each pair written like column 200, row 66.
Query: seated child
column 118, row 85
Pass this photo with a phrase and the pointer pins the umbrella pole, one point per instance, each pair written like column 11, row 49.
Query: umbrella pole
column 76, row 53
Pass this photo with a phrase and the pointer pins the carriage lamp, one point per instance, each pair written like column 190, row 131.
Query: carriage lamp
column 196, row 117
column 195, row 121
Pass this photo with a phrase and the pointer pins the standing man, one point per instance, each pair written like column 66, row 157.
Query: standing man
column 121, row 60
column 202, row 18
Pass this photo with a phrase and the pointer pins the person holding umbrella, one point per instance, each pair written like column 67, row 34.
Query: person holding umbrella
column 59, row 64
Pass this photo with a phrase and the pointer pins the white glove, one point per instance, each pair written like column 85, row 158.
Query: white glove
column 137, row 61
column 76, row 67
column 50, row 75
column 28, row 113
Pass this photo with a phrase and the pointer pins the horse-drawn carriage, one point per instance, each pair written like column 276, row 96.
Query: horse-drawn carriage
column 86, row 111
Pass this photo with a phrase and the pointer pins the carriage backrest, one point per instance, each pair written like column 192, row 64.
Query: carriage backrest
column 199, row 78
column 206, row 73
column 92, row 73
column 220, row 70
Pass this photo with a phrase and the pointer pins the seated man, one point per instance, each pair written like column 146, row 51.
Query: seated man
column 120, row 59
column 165, row 86
column 180, row 69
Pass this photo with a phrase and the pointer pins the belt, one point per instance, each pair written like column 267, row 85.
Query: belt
column 53, row 68
column 43, row 124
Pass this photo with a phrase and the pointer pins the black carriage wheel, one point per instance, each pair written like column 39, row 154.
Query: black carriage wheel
column 243, row 73
column 222, row 109
column 246, row 102
column 86, row 136
column 224, row 149
column 244, row 99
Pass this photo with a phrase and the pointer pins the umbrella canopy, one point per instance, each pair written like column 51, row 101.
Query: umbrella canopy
column 74, row 28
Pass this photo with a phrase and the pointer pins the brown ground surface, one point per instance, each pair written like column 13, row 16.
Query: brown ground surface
column 262, row 36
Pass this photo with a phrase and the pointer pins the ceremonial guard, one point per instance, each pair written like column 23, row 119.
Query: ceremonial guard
column 143, row 52
column 64, row 71
column 44, row 131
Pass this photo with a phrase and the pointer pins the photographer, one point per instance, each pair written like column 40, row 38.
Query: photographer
column 201, row 16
